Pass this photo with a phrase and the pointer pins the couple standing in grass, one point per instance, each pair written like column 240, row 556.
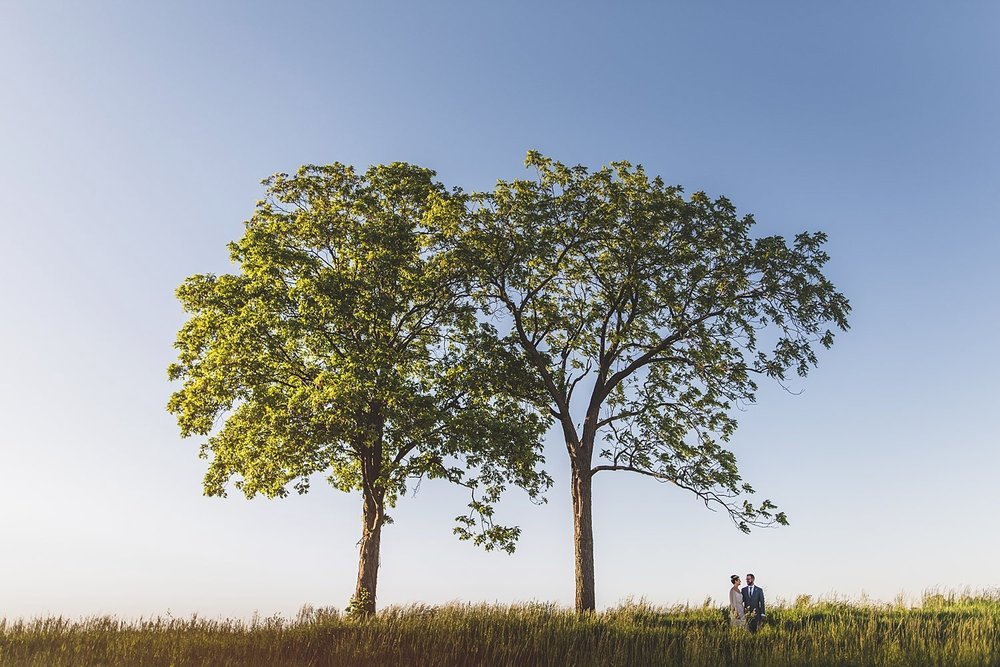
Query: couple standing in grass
column 746, row 606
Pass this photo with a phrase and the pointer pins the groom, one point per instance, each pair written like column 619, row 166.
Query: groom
column 753, row 602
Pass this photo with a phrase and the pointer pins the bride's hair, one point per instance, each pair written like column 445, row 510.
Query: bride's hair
column 733, row 579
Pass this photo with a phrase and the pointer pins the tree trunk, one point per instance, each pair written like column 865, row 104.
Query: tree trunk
column 583, row 534
column 368, row 560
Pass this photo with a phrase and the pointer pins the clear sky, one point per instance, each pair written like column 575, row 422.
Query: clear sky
column 133, row 137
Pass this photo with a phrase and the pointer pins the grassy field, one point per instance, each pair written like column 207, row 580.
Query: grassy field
column 944, row 630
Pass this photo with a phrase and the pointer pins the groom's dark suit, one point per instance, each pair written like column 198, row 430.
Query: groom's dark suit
column 753, row 602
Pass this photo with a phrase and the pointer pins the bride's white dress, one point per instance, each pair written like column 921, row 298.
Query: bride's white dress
column 736, row 614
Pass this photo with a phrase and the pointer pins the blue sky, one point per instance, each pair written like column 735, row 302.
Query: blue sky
column 133, row 141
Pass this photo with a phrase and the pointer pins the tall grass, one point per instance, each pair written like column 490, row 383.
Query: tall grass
column 948, row 629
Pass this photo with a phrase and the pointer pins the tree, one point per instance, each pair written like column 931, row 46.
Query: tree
column 646, row 316
column 346, row 345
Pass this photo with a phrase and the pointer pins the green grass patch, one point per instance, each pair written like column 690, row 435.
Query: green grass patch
column 945, row 630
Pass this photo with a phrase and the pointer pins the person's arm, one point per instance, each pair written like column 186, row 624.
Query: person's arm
column 762, row 602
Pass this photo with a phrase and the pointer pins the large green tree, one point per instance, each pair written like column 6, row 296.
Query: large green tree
column 646, row 316
column 345, row 344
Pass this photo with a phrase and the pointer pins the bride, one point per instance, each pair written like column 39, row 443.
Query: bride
column 736, row 613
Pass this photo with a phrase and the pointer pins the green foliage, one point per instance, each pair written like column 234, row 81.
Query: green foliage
column 955, row 630
column 664, row 307
column 359, row 605
column 346, row 345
